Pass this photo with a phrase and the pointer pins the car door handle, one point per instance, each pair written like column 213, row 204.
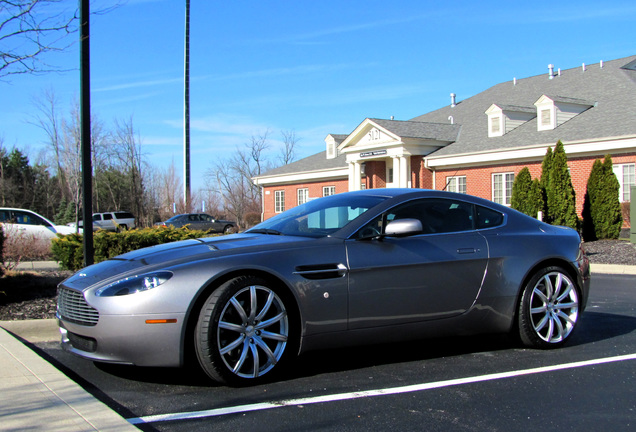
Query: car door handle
column 467, row 250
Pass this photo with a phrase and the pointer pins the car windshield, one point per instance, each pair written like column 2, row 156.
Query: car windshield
column 318, row 218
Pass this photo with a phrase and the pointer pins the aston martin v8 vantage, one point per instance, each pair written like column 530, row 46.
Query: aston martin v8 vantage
column 363, row 267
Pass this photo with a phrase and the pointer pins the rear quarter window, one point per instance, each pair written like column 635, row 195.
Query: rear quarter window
column 488, row 218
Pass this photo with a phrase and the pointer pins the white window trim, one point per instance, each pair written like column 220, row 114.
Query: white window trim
column 452, row 183
column 503, row 178
column 279, row 201
column 624, row 191
column 302, row 196
column 328, row 190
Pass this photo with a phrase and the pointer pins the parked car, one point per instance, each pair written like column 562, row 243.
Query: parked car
column 112, row 221
column 28, row 223
column 364, row 267
column 201, row 221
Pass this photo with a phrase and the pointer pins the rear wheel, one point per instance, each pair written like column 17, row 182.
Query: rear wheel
column 243, row 333
column 549, row 309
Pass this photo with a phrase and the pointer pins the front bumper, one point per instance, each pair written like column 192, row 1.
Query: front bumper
column 127, row 339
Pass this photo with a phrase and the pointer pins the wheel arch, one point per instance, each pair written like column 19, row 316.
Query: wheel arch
column 187, row 339
column 549, row 262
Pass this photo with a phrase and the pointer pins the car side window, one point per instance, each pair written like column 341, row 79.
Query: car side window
column 437, row 215
column 28, row 219
column 108, row 216
column 5, row 216
column 488, row 218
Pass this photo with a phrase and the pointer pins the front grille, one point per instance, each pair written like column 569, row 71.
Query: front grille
column 72, row 307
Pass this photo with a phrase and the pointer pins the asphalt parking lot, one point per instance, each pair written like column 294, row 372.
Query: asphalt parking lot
column 458, row 384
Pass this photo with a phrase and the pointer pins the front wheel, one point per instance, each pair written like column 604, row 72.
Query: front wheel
column 549, row 309
column 229, row 229
column 243, row 333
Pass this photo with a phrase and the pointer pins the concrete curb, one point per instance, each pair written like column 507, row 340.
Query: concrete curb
column 612, row 269
column 38, row 397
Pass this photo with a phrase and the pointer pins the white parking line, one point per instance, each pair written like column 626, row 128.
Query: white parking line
column 371, row 393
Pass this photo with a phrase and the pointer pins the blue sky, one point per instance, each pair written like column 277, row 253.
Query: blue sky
column 311, row 67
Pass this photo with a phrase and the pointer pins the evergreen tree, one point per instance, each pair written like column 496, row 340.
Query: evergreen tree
column 526, row 194
column 546, row 167
column 560, row 195
column 606, row 207
column 591, row 194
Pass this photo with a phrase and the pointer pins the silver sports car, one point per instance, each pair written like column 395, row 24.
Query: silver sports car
column 362, row 267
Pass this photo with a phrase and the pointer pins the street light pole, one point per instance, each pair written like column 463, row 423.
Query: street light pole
column 85, row 140
column 186, row 112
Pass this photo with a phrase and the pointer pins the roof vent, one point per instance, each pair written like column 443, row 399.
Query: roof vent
column 453, row 100
column 550, row 71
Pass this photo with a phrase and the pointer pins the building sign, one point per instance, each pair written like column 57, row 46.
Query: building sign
column 373, row 153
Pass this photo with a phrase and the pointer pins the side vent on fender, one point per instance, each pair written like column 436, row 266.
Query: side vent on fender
column 321, row 271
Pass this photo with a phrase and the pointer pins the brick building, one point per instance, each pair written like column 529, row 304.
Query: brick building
column 478, row 145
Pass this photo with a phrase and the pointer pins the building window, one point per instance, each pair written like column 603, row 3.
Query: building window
column 502, row 187
column 495, row 125
column 546, row 118
column 625, row 174
column 389, row 177
column 303, row 196
column 279, row 201
column 328, row 190
column 456, row 184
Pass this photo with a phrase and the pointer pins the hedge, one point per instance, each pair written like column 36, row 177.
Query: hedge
column 68, row 250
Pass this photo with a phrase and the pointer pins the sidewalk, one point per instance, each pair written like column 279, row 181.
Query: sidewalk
column 35, row 396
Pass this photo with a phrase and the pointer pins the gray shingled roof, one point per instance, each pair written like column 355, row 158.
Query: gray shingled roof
column 611, row 88
column 315, row 162
column 610, row 91
column 423, row 130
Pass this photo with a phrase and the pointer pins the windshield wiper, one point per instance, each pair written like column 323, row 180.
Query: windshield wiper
column 265, row 231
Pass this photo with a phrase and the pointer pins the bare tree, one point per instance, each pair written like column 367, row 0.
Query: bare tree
column 165, row 192
column 29, row 29
column 233, row 177
column 126, row 154
column 49, row 121
column 288, row 151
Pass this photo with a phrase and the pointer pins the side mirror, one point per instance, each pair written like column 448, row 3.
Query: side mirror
column 403, row 227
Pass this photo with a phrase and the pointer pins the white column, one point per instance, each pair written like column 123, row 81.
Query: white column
column 355, row 169
column 357, row 172
column 404, row 172
column 351, row 176
column 396, row 171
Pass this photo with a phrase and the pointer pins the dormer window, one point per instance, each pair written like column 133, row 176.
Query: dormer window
column 553, row 111
column 332, row 142
column 505, row 118
column 546, row 119
column 495, row 126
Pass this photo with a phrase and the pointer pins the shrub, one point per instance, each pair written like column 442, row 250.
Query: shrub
column 602, row 218
column 526, row 194
column 559, row 192
column 19, row 246
column 69, row 249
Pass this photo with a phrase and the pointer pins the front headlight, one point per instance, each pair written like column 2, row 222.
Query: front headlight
column 134, row 284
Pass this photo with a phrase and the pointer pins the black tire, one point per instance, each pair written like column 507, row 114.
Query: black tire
column 548, row 309
column 244, row 332
column 229, row 229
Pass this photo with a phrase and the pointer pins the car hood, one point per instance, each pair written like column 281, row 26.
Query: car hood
column 170, row 254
